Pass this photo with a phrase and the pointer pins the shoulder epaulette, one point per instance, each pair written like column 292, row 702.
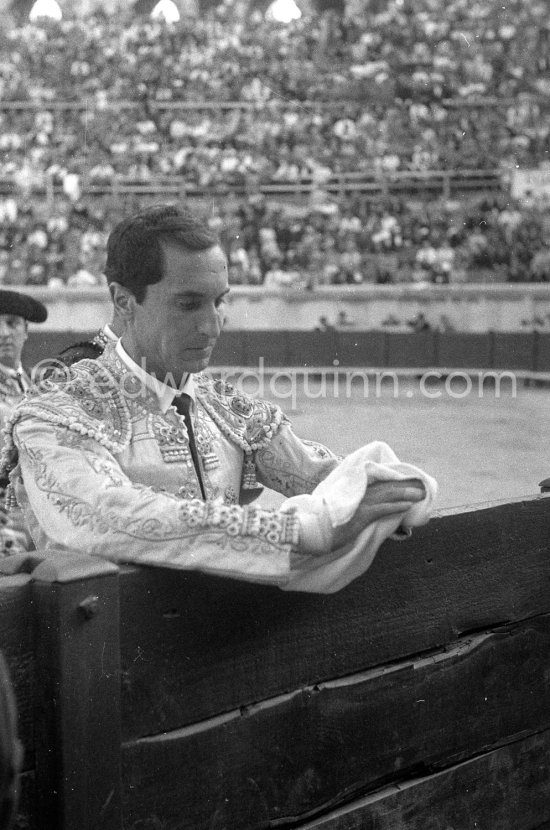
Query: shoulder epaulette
column 249, row 422
column 84, row 398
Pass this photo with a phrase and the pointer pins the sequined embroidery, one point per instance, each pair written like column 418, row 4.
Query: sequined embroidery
column 103, row 400
column 171, row 440
column 230, row 496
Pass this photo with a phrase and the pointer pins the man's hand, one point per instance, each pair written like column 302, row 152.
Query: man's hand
column 383, row 498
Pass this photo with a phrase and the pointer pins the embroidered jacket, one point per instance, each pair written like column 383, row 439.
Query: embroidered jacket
column 12, row 535
column 98, row 467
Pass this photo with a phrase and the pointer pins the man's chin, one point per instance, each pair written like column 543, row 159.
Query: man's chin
column 197, row 365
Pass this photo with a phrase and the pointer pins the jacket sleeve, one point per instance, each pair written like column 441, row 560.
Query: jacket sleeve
column 291, row 465
column 76, row 496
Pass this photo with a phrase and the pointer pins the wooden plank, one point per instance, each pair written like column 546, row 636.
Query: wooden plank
column 361, row 348
column 271, row 346
column 508, row 789
column 513, row 350
column 184, row 662
column 308, row 349
column 542, row 360
column 27, row 818
column 411, row 350
column 229, row 350
column 317, row 747
column 462, row 350
column 77, row 694
column 16, row 642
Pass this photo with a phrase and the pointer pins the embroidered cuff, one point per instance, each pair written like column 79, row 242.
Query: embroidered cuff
column 276, row 527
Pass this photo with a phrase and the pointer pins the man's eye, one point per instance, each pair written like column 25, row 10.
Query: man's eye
column 220, row 302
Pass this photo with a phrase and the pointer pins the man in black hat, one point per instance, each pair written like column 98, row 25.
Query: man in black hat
column 16, row 311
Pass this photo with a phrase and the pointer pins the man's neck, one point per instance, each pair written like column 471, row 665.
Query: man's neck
column 116, row 326
column 162, row 385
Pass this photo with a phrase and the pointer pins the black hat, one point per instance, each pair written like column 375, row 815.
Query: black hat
column 22, row 305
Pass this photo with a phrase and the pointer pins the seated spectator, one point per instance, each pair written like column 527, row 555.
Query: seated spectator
column 82, row 279
column 419, row 323
column 540, row 266
column 279, row 278
column 323, row 324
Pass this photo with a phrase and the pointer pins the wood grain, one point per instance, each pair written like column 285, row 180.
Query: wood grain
column 16, row 642
column 193, row 647
column 27, row 818
column 300, row 753
column 77, row 697
column 508, row 789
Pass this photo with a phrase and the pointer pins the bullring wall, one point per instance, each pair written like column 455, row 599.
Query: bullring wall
column 529, row 353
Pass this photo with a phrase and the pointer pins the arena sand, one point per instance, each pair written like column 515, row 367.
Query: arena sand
column 482, row 445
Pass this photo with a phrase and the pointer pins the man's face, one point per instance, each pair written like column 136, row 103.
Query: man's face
column 13, row 333
column 176, row 327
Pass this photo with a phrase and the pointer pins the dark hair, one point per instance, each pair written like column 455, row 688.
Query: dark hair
column 134, row 253
column 84, row 350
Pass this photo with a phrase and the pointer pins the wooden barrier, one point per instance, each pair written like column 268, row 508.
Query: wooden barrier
column 411, row 350
column 513, row 351
column 416, row 698
column 542, row 359
column 528, row 354
column 457, row 350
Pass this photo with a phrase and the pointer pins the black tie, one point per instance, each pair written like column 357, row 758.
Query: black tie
column 183, row 406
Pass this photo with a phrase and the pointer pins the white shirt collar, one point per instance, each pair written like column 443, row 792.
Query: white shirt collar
column 164, row 393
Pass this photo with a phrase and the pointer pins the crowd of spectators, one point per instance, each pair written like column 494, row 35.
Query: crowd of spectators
column 282, row 246
column 389, row 87
column 393, row 86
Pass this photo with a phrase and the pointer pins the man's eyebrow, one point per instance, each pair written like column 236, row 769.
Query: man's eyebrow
column 199, row 293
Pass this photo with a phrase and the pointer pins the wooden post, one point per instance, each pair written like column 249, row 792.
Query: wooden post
column 77, row 700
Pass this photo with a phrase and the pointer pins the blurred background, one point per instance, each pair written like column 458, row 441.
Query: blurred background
column 385, row 142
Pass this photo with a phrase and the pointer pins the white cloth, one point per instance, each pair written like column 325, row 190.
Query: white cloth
column 334, row 502
column 109, row 333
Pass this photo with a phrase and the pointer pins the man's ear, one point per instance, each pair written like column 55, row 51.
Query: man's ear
column 123, row 301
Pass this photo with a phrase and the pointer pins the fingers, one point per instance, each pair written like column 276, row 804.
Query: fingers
column 410, row 490
column 389, row 508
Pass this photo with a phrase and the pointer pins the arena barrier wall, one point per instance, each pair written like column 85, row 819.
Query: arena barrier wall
column 417, row 697
column 529, row 352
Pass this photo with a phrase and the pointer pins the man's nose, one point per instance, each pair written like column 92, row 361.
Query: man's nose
column 5, row 330
column 210, row 323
